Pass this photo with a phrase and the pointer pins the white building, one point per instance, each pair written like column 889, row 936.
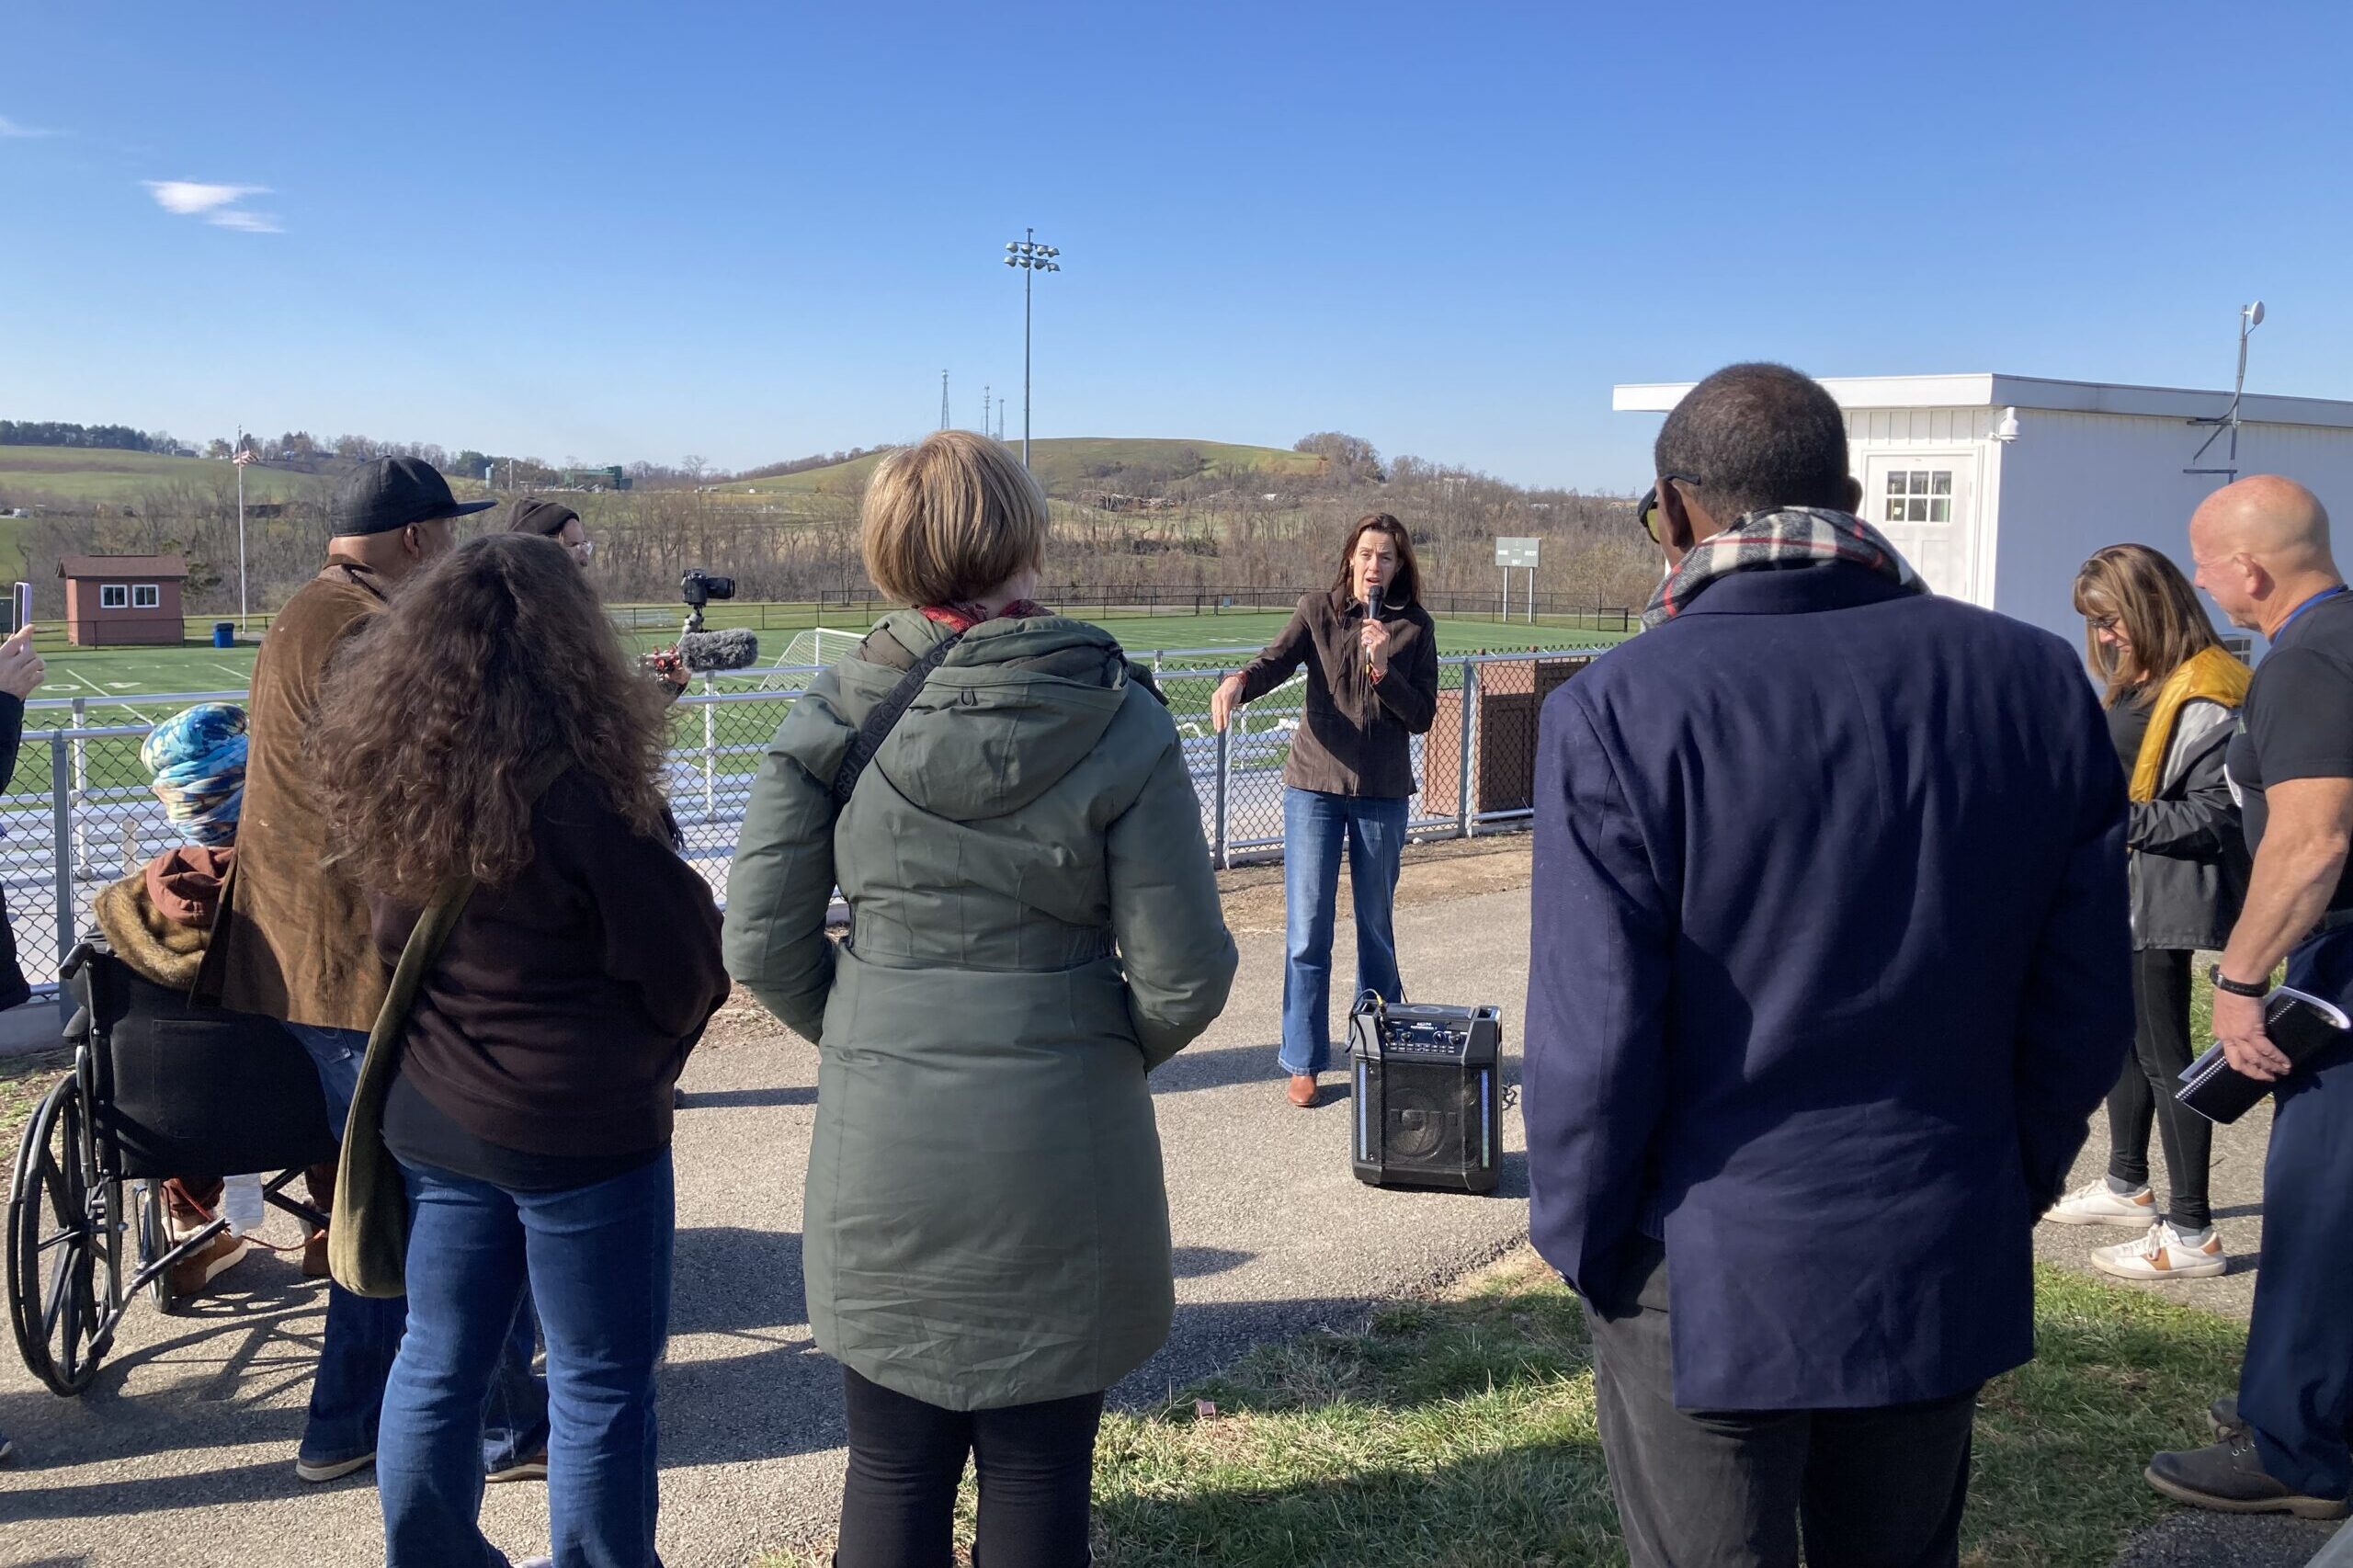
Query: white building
column 1995, row 487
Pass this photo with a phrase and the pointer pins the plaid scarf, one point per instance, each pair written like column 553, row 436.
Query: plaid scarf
column 1794, row 537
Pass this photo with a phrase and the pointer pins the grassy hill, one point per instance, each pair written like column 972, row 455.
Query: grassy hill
column 1069, row 465
column 111, row 478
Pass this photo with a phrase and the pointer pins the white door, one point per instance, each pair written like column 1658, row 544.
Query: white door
column 1925, row 505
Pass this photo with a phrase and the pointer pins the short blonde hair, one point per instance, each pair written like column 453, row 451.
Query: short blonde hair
column 950, row 518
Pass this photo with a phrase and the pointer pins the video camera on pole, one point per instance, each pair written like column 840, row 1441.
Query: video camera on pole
column 701, row 652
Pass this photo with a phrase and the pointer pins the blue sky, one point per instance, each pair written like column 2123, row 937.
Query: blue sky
column 750, row 232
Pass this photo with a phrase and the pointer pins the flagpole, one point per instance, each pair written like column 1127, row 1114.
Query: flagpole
column 237, row 462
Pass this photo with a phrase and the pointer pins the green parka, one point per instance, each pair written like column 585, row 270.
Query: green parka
column 1034, row 925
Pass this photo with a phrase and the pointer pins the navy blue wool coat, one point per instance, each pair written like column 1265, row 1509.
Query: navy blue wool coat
column 1831, row 965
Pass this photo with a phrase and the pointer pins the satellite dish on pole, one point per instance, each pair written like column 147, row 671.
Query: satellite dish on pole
column 2255, row 314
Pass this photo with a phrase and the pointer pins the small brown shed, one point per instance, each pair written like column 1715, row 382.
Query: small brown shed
column 116, row 599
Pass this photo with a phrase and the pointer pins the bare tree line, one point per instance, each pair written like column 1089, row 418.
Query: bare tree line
column 1224, row 531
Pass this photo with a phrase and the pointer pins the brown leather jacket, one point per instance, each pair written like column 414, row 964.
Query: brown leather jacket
column 1356, row 736
column 292, row 942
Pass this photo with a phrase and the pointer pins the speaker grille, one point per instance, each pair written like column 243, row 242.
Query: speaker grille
column 1425, row 1120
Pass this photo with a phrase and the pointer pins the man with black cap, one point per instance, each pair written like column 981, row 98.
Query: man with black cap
column 292, row 942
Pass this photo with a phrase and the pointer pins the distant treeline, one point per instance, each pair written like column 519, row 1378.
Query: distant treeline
column 57, row 433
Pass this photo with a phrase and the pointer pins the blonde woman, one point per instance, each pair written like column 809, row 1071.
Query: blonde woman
column 1033, row 928
column 2172, row 689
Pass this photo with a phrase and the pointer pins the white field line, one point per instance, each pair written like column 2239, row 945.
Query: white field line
column 112, row 701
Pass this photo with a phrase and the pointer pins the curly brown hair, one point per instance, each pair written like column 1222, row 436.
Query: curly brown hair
column 435, row 715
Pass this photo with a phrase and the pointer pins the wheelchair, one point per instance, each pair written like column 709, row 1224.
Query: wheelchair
column 159, row 1088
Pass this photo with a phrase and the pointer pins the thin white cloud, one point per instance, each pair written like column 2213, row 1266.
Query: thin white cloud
column 249, row 223
column 9, row 129
column 184, row 196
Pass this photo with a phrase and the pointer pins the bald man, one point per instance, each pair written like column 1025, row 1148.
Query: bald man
column 2262, row 552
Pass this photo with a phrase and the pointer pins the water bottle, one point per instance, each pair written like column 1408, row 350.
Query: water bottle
column 241, row 1205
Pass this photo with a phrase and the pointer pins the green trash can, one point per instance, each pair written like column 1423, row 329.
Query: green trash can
column 225, row 634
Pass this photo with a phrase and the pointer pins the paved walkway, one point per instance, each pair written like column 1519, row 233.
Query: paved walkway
column 182, row 1453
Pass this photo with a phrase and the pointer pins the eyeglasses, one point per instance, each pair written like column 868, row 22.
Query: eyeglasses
column 1647, row 509
column 2106, row 622
column 584, row 551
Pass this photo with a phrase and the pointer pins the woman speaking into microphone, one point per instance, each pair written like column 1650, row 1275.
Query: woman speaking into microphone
column 1372, row 660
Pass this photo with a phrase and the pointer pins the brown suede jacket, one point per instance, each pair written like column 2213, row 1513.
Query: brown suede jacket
column 292, row 940
column 1357, row 737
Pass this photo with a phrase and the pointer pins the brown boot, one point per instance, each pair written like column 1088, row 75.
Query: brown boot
column 318, row 1182
column 191, row 1274
column 1302, row 1089
column 190, row 1203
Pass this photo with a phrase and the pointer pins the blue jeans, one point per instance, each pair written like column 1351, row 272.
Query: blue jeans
column 597, row 1259
column 363, row 1332
column 2296, row 1385
column 1315, row 826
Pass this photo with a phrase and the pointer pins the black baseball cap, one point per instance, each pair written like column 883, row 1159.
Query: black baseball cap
column 391, row 493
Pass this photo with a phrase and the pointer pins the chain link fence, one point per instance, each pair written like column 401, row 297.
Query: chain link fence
column 78, row 813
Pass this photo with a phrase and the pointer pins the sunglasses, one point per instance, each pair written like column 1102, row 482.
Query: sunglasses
column 1647, row 509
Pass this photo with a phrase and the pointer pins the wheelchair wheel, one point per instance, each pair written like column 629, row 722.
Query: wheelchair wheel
column 63, row 1266
column 154, row 1241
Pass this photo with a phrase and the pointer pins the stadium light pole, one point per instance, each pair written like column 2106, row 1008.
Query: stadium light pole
column 1033, row 258
column 237, row 459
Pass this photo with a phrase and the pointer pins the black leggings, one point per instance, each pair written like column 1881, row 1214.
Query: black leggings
column 2160, row 1050
column 1036, row 1462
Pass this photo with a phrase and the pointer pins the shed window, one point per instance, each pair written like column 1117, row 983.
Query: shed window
column 146, row 596
column 1918, row 496
column 114, row 596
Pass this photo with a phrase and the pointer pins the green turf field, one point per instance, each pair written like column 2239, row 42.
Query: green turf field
column 118, row 684
column 196, row 666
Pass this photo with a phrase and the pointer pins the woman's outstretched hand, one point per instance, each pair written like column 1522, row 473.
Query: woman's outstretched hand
column 1224, row 700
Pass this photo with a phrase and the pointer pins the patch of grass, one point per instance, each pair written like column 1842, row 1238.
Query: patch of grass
column 1066, row 464
column 117, row 478
column 1462, row 1432
column 23, row 1081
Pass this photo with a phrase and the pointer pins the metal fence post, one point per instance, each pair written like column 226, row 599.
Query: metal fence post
column 1219, row 854
column 710, row 751
column 60, row 819
column 81, row 779
column 1470, row 718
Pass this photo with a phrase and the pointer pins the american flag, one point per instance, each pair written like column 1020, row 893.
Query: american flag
column 245, row 455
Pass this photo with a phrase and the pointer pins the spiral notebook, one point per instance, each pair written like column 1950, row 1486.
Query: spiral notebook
column 2301, row 1025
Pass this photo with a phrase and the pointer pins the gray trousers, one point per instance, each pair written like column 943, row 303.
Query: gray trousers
column 1880, row 1488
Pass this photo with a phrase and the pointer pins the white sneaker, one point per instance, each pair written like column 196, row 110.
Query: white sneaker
column 2096, row 1203
column 2163, row 1255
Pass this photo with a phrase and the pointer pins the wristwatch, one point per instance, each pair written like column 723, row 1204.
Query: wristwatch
column 2256, row 989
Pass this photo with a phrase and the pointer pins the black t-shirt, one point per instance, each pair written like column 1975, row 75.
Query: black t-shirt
column 2297, row 722
column 2128, row 722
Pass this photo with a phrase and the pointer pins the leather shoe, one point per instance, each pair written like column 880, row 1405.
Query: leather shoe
column 2229, row 1478
column 1302, row 1089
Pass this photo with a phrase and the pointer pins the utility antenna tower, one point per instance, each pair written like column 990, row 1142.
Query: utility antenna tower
column 943, row 400
column 984, row 409
column 2250, row 317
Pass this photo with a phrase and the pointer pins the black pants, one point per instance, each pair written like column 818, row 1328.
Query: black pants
column 1872, row 1488
column 2145, row 1091
column 1036, row 1463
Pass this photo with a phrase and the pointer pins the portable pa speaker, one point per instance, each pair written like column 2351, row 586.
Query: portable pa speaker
column 1428, row 1094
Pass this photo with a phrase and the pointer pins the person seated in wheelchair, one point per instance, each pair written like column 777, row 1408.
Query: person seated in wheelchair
column 158, row 920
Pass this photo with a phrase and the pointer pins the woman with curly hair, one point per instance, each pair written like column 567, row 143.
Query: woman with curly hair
column 487, row 728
